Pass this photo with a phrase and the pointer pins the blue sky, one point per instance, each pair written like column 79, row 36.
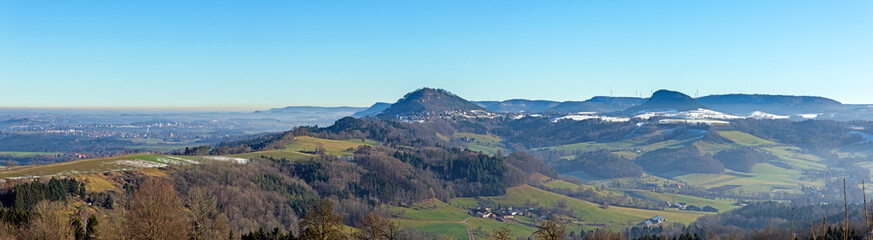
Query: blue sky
column 260, row 54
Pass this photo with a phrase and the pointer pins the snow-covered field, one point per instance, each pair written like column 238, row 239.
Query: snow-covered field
column 808, row 115
column 134, row 164
column 228, row 159
column 179, row 160
column 524, row 115
column 692, row 121
column 697, row 116
column 700, row 113
column 763, row 115
column 591, row 115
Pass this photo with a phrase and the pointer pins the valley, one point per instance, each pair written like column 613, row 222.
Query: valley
column 437, row 165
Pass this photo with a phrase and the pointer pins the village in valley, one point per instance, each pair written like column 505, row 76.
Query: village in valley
column 502, row 214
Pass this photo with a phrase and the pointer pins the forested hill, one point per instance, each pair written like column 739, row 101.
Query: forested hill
column 373, row 110
column 597, row 104
column 779, row 104
column 666, row 99
column 517, row 105
column 413, row 160
column 428, row 100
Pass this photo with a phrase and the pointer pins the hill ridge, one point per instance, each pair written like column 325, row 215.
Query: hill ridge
column 428, row 100
column 667, row 99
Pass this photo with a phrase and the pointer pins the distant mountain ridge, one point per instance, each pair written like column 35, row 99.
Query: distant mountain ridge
column 517, row 105
column 597, row 104
column 666, row 99
column 780, row 104
column 428, row 100
column 755, row 105
column 373, row 110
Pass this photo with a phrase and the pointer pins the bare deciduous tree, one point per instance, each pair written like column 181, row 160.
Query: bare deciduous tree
column 50, row 222
column 551, row 229
column 155, row 212
column 321, row 223
column 501, row 233
column 372, row 226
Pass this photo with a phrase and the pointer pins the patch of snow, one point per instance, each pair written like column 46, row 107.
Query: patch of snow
column 182, row 160
column 763, row 115
column 699, row 114
column 808, row 115
column 137, row 164
column 590, row 115
column 693, row 121
column 229, row 159
column 614, row 119
column 653, row 113
column 639, row 125
column 61, row 174
column 576, row 117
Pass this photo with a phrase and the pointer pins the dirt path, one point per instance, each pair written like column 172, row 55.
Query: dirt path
column 469, row 228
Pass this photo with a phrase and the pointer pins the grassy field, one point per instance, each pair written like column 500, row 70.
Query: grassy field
column 303, row 147
column 431, row 210
column 708, row 147
column 781, row 174
column 96, row 182
column 483, row 139
column 745, row 139
column 560, row 184
column 97, row 165
column 794, row 157
column 27, row 154
column 334, row 147
column 593, row 216
column 437, row 217
column 855, row 150
column 520, row 227
column 290, row 155
column 640, row 142
column 488, row 144
column 764, row 177
column 690, row 138
column 455, row 230
column 721, row 204
column 432, row 217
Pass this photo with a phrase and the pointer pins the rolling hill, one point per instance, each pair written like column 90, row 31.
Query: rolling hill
column 597, row 104
column 666, row 99
column 517, row 105
column 373, row 110
column 778, row 104
column 427, row 101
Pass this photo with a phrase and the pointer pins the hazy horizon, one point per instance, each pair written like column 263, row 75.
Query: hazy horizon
column 178, row 108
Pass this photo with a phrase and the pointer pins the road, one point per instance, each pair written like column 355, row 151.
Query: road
column 469, row 228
